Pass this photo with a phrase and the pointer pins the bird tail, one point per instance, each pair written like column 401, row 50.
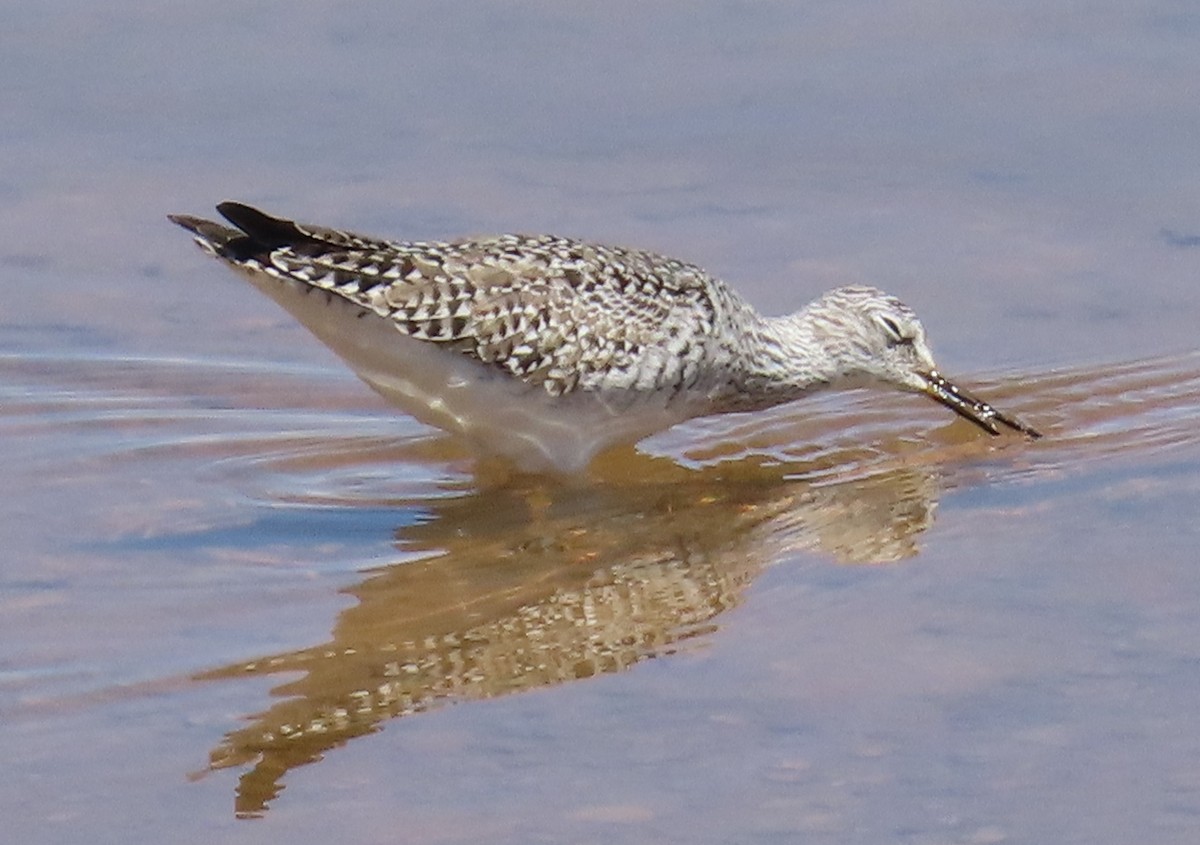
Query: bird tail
column 258, row 233
column 211, row 236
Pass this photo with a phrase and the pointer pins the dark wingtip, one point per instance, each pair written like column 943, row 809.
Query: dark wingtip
column 236, row 212
column 262, row 228
column 256, row 233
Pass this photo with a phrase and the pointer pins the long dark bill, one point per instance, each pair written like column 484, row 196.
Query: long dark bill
column 981, row 413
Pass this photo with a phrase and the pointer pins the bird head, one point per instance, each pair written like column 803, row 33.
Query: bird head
column 872, row 337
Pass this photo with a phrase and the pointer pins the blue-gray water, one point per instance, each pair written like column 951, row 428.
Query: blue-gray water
column 242, row 600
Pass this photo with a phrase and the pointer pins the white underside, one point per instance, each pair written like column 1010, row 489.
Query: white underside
column 498, row 414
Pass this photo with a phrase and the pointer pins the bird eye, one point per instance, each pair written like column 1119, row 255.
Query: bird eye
column 893, row 329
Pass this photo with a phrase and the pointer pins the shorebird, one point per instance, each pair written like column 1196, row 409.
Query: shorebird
column 548, row 350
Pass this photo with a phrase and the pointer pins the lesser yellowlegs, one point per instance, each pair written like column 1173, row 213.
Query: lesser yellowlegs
column 548, row 350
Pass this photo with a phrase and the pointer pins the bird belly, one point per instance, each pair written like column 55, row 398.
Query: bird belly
column 440, row 386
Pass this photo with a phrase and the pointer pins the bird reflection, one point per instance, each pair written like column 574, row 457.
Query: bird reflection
column 523, row 586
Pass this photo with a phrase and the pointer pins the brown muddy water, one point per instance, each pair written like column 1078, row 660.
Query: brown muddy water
column 242, row 600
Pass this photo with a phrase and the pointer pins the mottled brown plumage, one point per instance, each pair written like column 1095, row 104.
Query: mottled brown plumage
column 559, row 313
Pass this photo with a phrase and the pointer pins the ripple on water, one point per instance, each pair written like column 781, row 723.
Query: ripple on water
column 303, row 436
column 473, row 586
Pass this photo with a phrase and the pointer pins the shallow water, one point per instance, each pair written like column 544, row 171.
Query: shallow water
column 231, row 577
column 243, row 600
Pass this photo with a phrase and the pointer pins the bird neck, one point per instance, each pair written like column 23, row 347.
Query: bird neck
column 784, row 359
